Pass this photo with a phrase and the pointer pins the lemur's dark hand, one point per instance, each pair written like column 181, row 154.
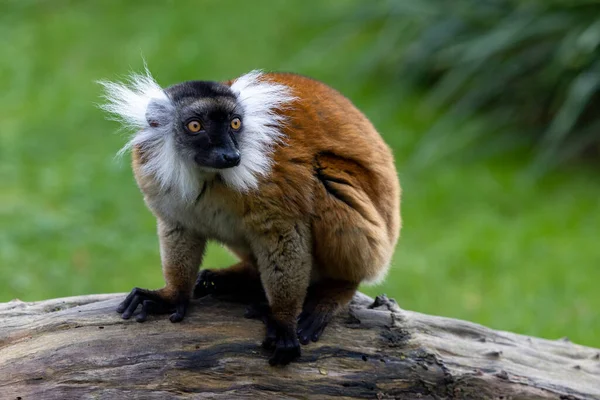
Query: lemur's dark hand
column 279, row 336
column 153, row 302
column 285, row 342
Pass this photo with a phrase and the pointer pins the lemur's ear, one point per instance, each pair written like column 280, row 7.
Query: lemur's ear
column 128, row 102
column 158, row 114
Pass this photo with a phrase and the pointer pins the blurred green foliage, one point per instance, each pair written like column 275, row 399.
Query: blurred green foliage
column 532, row 67
column 480, row 241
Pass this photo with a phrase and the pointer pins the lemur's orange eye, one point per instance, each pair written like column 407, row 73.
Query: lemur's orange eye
column 194, row 126
column 236, row 123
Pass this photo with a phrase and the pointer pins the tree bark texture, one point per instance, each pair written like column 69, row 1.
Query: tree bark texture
column 80, row 348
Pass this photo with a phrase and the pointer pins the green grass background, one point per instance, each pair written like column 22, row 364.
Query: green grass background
column 479, row 242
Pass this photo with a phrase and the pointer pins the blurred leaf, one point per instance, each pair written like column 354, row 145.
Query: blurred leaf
column 531, row 61
column 580, row 91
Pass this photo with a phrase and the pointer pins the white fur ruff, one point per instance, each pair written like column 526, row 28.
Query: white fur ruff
column 259, row 99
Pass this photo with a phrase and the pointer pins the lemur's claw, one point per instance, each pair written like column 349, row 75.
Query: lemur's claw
column 152, row 303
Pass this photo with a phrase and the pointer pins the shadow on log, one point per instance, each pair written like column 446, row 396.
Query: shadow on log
column 79, row 348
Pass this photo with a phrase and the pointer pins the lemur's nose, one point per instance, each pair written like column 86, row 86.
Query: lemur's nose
column 231, row 158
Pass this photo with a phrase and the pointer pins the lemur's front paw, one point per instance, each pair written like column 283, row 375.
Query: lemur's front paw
column 285, row 342
column 206, row 283
column 153, row 302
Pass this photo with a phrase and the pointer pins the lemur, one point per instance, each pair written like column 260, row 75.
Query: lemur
column 281, row 169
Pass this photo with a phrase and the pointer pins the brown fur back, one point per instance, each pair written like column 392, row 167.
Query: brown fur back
column 336, row 168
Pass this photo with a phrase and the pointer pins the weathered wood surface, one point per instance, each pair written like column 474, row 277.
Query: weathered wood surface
column 79, row 348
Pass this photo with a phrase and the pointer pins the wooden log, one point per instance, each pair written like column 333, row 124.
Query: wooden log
column 80, row 348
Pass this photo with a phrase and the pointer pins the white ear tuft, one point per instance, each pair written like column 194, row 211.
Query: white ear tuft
column 135, row 103
column 260, row 101
column 128, row 102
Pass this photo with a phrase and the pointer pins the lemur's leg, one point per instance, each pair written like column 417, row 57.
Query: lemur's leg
column 181, row 255
column 323, row 300
column 284, row 261
column 239, row 282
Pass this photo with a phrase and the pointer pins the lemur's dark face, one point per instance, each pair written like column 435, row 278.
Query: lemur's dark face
column 207, row 124
column 199, row 130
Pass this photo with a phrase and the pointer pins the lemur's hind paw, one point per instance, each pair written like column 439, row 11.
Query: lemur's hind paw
column 238, row 283
column 206, row 283
column 152, row 302
column 311, row 324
